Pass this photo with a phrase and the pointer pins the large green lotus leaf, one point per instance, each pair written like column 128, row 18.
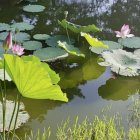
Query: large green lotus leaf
column 22, row 26
column 32, row 45
column 137, row 52
column 52, row 74
column 111, row 44
column 78, row 28
column 70, row 49
column 4, row 27
column 23, row 116
column 131, row 42
column 52, row 41
column 41, row 36
column 94, row 42
column 122, row 62
column 50, row 54
column 32, row 80
column 21, row 37
column 119, row 88
column 33, row 8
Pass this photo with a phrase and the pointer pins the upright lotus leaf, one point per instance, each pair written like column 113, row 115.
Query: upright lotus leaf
column 33, row 8
column 78, row 28
column 111, row 44
column 22, row 26
column 32, row 80
column 94, row 42
column 122, row 62
column 70, row 49
column 32, row 45
column 120, row 88
column 52, row 41
column 50, row 54
column 131, row 42
column 4, row 27
column 41, row 36
column 137, row 52
column 23, row 116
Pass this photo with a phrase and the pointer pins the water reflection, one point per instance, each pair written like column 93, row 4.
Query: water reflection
column 120, row 88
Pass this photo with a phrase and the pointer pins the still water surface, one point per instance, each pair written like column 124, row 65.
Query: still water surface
column 90, row 87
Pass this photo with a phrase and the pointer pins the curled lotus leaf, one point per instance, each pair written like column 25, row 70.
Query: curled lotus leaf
column 50, row 54
column 32, row 45
column 41, row 36
column 94, row 42
column 111, row 46
column 137, row 52
column 52, row 41
column 78, row 28
column 122, row 62
column 70, row 49
column 131, row 42
column 22, row 26
column 4, row 27
column 33, row 8
column 23, row 116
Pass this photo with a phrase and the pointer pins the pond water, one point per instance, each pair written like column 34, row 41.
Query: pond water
column 90, row 87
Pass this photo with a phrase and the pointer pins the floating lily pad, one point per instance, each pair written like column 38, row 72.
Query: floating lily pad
column 137, row 52
column 111, row 44
column 50, row 54
column 23, row 116
column 78, row 28
column 22, row 26
column 33, row 8
column 131, row 42
column 70, row 49
column 32, row 45
column 122, row 62
column 4, row 27
column 52, row 41
column 41, row 36
column 3, row 36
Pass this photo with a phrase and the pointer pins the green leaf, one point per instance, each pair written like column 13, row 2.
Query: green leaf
column 32, row 45
column 32, row 80
column 50, row 54
column 41, row 36
column 52, row 41
column 3, row 36
column 94, row 42
column 137, row 52
column 33, row 8
column 131, row 42
column 4, row 27
column 111, row 44
column 70, row 49
column 78, row 28
column 22, row 26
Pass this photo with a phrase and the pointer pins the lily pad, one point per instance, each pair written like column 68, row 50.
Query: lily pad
column 122, row 62
column 4, row 27
column 78, row 28
column 3, row 36
column 32, row 45
column 137, row 52
column 22, row 26
column 33, row 8
column 70, row 49
column 94, row 42
column 52, row 41
column 50, row 54
column 23, row 116
column 131, row 42
column 41, row 36
column 111, row 44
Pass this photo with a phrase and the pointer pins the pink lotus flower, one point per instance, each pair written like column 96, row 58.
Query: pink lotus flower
column 8, row 42
column 17, row 49
column 125, row 32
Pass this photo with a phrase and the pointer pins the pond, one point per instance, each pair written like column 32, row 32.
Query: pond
column 89, row 87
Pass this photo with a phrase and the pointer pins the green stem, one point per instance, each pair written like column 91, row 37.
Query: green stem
column 68, row 35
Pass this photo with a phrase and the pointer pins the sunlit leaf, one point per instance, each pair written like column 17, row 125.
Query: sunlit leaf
column 33, row 8
column 32, row 45
column 137, row 52
column 78, row 28
column 70, row 49
column 50, row 54
column 32, row 80
column 41, row 36
column 94, row 42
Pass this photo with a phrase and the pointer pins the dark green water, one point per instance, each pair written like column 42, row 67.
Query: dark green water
column 90, row 87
